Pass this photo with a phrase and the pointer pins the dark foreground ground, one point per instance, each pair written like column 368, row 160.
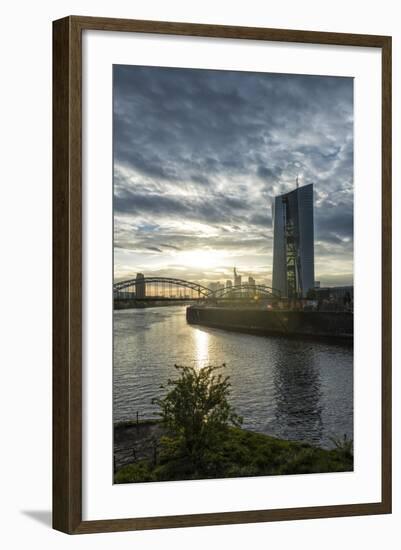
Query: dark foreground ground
column 138, row 456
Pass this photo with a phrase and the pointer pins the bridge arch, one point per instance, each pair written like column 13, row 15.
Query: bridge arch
column 153, row 287
column 161, row 282
column 246, row 290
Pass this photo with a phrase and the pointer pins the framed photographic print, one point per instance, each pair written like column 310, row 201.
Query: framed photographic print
column 222, row 274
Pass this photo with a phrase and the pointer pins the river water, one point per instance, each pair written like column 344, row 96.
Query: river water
column 294, row 389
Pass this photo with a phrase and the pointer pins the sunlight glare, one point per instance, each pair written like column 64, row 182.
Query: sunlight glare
column 201, row 348
column 201, row 258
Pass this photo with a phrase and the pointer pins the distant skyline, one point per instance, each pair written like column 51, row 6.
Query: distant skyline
column 199, row 156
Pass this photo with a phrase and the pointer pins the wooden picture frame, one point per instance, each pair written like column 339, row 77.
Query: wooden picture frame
column 67, row 273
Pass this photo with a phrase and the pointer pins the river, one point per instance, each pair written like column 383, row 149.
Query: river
column 293, row 389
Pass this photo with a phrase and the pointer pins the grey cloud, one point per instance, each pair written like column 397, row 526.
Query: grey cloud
column 216, row 146
column 269, row 174
column 333, row 222
column 206, row 118
column 219, row 208
column 164, row 245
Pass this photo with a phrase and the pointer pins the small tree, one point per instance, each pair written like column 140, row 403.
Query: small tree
column 197, row 411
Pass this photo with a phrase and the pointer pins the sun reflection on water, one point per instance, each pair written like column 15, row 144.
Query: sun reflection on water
column 201, row 348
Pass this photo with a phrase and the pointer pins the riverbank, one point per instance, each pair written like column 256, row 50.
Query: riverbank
column 138, row 456
column 305, row 324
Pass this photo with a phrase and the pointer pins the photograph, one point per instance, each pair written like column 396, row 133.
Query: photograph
column 233, row 270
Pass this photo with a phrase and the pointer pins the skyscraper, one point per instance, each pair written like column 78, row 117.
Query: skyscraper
column 237, row 278
column 140, row 287
column 251, row 284
column 214, row 286
column 293, row 254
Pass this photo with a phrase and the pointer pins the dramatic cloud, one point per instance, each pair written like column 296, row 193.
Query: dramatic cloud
column 199, row 156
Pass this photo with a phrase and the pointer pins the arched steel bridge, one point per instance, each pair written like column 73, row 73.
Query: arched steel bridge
column 163, row 284
column 246, row 290
column 168, row 288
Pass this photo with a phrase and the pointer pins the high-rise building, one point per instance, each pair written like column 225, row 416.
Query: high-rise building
column 214, row 286
column 251, row 284
column 293, row 254
column 237, row 278
column 228, row 283
column 140, row 286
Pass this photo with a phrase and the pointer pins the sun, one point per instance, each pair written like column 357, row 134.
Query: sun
column 201, row 258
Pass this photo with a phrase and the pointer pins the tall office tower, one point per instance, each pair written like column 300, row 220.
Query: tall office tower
column 214, row 286
column 140, row 287
column 251, row 284
column 237, row 278
column 228, row 283
column 293, row 254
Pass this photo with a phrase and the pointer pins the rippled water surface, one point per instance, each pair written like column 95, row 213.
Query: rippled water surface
column 293, row 389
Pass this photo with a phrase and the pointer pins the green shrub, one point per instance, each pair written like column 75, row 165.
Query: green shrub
column 197, row 411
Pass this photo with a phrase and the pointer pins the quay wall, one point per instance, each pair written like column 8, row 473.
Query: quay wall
column 330, row 324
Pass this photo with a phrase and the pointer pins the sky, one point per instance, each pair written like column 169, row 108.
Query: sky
column 199, row 156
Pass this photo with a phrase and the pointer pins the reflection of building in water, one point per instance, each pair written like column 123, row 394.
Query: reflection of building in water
column 293, row 253
column 298, row 394
column 140, row 287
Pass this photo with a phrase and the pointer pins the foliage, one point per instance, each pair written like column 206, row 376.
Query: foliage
column 245, row 453
column 197, row 413
column 343, row 445
column 200, row 437
column 137, row 472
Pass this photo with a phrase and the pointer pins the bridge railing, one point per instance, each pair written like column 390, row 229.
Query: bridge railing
column 245, row 291
column 153, row 288
column 168, row 288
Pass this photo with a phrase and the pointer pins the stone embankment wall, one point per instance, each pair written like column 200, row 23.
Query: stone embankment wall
column 275, row 322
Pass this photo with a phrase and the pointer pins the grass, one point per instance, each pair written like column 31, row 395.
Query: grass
column 243, row 454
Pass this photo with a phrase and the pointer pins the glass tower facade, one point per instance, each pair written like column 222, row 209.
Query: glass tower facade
column 293, row 253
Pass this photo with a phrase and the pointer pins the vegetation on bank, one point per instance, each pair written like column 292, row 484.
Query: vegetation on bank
column 242, row 454
column 202, row 439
